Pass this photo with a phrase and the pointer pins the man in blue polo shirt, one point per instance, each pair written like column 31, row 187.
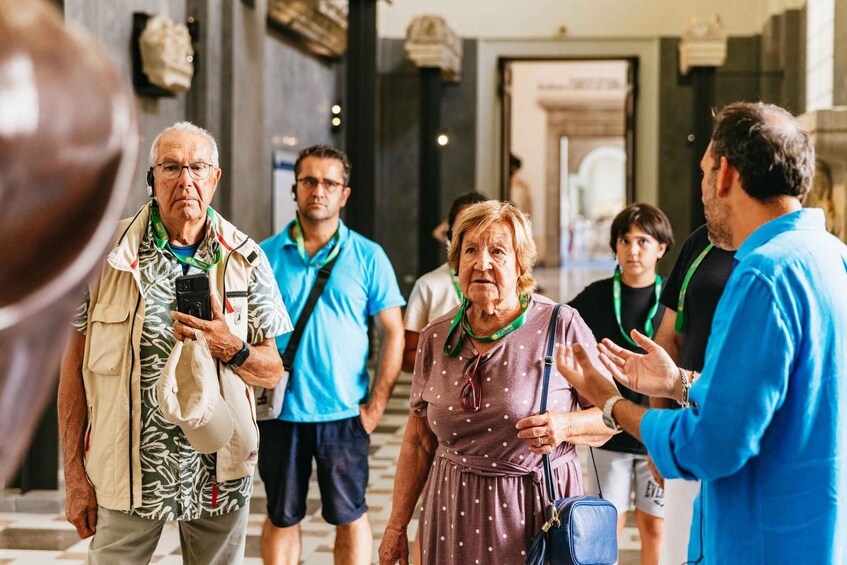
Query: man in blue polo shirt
column 329, row 412
column 767, row 417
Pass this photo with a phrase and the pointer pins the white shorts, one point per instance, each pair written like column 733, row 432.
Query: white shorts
column 616, row 472
column 678, row 510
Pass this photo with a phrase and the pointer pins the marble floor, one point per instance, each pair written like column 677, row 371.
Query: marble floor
column 33, row 529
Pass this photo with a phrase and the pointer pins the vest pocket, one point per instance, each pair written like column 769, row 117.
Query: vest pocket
column 108, row 338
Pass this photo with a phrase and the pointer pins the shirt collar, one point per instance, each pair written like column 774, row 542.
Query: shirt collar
column 205, row 252
column 343, row 233
column 805, row 219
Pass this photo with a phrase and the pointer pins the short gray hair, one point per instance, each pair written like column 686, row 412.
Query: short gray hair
column 186, row 127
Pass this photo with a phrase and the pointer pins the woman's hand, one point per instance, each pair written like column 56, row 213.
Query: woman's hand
column 394, row 547
column 544, row 432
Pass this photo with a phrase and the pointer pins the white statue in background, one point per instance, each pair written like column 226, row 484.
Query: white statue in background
column 166, row 54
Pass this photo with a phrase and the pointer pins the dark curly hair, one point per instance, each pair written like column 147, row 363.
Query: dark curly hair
column 324, row 152
column 774, row 156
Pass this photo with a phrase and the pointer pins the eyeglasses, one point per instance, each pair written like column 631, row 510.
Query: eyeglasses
column 198, row 170
column 472, row 390
column 311, row 183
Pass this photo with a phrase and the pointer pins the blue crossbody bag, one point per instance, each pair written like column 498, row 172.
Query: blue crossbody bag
column 580, row 530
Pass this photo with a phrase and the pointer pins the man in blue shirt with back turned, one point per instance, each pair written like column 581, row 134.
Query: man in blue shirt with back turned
column 328, row 413
column 766, row 430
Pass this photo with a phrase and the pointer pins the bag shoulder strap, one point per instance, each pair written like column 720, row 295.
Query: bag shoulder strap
column 545, row 385
column 318, row 288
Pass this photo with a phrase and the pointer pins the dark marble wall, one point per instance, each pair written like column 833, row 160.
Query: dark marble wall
column 249, row 85
column 398, row 88
column 111, row 25
column 300, row 90
column 768, row 67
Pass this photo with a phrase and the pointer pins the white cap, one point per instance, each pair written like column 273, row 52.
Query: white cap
column 190, row 396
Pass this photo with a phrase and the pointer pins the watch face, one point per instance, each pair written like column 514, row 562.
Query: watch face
column 609, row 422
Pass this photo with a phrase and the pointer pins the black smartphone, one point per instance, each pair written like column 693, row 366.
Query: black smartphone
column 192, row 296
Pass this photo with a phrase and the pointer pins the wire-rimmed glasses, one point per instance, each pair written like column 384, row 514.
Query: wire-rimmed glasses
column 197, row 170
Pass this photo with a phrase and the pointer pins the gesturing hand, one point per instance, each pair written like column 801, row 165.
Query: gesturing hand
column 653, row 373
column 575, row 365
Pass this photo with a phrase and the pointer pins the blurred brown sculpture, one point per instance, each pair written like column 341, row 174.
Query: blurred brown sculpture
column 68, row 144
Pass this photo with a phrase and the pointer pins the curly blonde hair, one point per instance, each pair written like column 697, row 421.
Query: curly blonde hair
column 478, row 217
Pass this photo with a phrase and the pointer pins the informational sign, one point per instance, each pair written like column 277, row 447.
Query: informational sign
column 284, row 207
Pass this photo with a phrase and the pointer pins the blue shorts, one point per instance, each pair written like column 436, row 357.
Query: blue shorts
column 340, row 450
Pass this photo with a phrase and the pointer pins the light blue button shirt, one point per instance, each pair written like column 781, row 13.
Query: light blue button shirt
column 769, row 435
column 330, row 378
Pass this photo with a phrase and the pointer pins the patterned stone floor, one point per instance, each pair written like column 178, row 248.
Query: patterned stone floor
column 33, row 529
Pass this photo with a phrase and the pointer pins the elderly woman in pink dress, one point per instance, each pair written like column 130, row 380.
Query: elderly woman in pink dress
column 474, row 429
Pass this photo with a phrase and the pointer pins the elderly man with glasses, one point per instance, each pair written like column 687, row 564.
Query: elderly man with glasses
column 128, row 469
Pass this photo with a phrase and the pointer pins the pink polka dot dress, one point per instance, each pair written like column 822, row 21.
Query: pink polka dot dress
column 484, row 498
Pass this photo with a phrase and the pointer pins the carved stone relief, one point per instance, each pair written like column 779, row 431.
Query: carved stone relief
column 321, row 23
column 430, row 42
column 166, row 54
column 703, row 44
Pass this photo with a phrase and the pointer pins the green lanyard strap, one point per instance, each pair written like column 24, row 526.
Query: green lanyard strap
column 160, row 236
column 455, row 278
column 301, row 246
column 461, row 318
column 616, row 295
column 681, row 323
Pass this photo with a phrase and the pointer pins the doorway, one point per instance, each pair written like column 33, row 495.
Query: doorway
column 568, row 152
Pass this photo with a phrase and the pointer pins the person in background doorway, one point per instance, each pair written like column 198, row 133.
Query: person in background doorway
column 640, row 236
column 519, row 191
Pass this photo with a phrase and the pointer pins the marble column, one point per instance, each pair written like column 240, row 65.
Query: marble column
column 437, row 52
column 702, row 50
column 361, row 115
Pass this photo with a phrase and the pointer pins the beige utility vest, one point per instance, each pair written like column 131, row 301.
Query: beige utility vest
column 112, row 368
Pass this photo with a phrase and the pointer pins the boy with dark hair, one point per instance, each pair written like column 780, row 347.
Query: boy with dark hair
column 640, row 235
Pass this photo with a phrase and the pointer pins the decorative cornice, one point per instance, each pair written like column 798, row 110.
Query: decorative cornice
column 321, row 23
column 430, row 42
column 703, row 44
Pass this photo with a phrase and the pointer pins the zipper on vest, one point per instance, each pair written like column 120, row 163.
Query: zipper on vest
column 131, row 367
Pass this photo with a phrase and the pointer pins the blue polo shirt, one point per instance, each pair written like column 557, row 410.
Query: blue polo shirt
column 768, row 437
column 330, row 379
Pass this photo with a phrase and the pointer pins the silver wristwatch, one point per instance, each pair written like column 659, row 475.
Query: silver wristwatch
column 608, row 419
